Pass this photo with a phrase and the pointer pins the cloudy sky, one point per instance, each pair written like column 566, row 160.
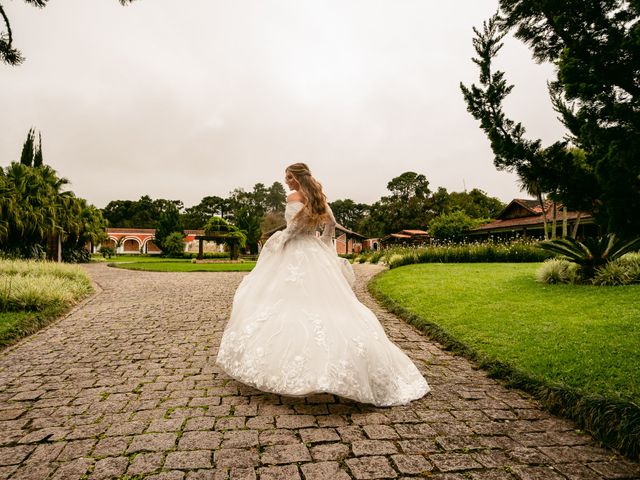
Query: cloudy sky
column 181, row 100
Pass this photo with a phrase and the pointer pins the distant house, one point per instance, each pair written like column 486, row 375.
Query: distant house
column 405, row 237
column 348, row 241
column 371, row 244
column 141, row 240
column 523, row 217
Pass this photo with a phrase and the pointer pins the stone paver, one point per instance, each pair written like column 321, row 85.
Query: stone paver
column 126, row 386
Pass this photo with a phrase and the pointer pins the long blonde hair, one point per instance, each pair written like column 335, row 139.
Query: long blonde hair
column 314, row 211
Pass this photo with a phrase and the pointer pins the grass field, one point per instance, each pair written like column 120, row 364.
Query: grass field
column 584, row 337
column 155, row 264
column 136, row 259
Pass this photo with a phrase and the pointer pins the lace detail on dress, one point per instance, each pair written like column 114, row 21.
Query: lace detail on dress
column 319, row 331
column 295, row 274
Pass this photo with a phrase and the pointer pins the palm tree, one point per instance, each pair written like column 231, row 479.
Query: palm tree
column 7, row 207
column 532, row 187
column 23, row 205
column 31, row 205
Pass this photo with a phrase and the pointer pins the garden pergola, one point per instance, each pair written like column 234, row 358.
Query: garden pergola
column 220, row 237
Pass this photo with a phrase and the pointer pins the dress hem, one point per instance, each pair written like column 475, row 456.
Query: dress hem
column 266, row 389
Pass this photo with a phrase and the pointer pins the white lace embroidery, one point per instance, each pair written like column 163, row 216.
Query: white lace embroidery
column 320, row 334
column 295, row 274
column 359, row 345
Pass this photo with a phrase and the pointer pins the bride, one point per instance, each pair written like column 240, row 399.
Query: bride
column 296, row 326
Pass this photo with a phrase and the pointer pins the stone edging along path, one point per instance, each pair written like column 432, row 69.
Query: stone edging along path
column 125, row 387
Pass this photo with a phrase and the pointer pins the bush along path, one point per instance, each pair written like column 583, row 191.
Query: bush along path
column 125, row 387
column 33, row 294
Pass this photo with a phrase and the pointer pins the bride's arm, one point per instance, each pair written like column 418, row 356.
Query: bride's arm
column 329, row 231
column 278, row 239
column 327, row 237
column 293, row 228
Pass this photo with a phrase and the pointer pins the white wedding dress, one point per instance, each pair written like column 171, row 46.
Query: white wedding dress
column 297, row 328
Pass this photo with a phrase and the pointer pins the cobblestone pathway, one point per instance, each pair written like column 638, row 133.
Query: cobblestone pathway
column 125, row 387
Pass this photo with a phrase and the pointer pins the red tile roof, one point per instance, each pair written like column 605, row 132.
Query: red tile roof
column 530, row 220
column 131, row 230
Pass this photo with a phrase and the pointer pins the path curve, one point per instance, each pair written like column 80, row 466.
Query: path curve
column 125, row 387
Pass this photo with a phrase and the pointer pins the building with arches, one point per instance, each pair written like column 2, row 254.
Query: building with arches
column 141, row 240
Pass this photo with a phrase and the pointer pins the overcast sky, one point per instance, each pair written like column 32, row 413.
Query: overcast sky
column 181, row 100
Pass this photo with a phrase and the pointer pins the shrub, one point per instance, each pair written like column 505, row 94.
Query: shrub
column 448, row 252
column 622, row 271
column 173, row 245
column 35, row 286
column 558, row 271
column 360, row 258
column 107, row 252
column 39, row 268
column 376, row 256
column 206, row 255
column 76, row 254
column 395, row 260
column 33, row 251
column 453, row 225
column 591, row 253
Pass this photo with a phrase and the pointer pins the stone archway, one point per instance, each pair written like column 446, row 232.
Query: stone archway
column 109, row 243
column 150, row 247
column 131, row 245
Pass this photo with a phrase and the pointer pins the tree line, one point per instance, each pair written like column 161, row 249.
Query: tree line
column 37, row 210
column 409, row 205
column 252, row 212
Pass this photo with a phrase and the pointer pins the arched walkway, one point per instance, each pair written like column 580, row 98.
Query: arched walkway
column 131, row 245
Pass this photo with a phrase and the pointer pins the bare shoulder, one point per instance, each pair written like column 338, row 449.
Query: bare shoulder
column 295, row 197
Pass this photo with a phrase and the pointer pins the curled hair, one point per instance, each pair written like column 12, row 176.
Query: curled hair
column 315, row 210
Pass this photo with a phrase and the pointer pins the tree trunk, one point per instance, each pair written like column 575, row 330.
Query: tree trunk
column 544, row 215
column 565, row 226
column 555, row 221
column 234, row 251
column 574, row 234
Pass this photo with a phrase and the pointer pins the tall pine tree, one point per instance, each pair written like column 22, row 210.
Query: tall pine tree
column 28, row 149
column 37, row 156
column 594, row 46
column 31, row 155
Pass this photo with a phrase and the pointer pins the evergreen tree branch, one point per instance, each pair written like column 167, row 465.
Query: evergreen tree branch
column 8, row 54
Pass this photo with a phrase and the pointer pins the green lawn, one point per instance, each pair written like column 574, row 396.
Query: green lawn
column 151, row 264
column 136, row 259
column 584, row 337
column 16, row 325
